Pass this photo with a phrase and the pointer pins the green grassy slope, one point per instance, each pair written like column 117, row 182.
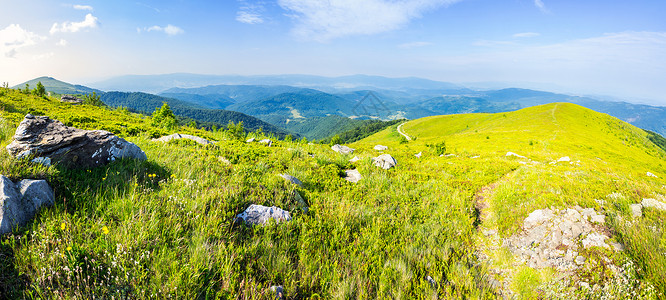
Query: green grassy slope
column 164, row 228
column 610, row 160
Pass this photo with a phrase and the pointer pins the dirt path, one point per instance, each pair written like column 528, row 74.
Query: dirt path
column 402, row 133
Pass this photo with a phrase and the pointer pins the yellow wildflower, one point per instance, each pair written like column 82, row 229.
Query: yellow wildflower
column 69, row 248
column 105, row 230
column 62, row 226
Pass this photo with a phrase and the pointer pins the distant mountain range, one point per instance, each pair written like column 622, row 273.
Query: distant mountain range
column 317, row 107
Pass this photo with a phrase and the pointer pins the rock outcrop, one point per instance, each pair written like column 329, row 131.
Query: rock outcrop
column 20, row 202
column 259, row 215
column 384, row 161
column 49, row 141
column 342, row 149
column 71, row 99
column 178, row 136
column 267, row 142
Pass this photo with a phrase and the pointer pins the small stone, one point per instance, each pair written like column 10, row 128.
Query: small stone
column 355, row 159
column 636, row 210
column 617, row 246
column 384, row 161
column 595, row 240
column 291, row 179
column 580, row 260
column 353, row 176
column 418, row 155
column 250, row 140
column 342, row 149
column 178, row 136
column 278, row 290
column 259, row 215
column 380, row 148
column 514, row 154
column 564, row 159
column 654, row 204
column 267, row 142
column 649, row 174
column 601, row 219
column 432, row 281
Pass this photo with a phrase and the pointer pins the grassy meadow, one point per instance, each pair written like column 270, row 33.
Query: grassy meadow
column 164, row 228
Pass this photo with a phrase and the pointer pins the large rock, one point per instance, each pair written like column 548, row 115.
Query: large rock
column 49, row 141
column 259, row 215
column 178, row 136
column 384, row 161
column 19, row 202
column 342, row 149
column 649, row 202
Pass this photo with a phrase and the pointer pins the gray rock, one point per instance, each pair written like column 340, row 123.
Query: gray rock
column 418, row 155
column 353, row 175
column 601, row 219
column 636, row 210
column 380, row 147
column 355, row 159
column 654, row 204
column 50, row 140
column 514, row 154
column 259, row 215
column 250, row 140
column 537, row 217
column 71, row 99
column 267, row 142
column 649, row 174
column 291, row 179
column 384, row 161
column 301, row 202
column 278, row 290
column 342, row 149
column 19, row 203
column 595, row 240
column 178, row 136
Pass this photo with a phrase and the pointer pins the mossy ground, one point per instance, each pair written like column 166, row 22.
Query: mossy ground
column 164, row 228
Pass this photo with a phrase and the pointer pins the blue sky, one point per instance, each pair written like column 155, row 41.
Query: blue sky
column 614, row 47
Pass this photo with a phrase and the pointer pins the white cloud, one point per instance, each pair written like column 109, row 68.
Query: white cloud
column 62, row 43
column 13, row 37
column 323, row 20
column 414, row 45
column 169, row 29
column 526, row 34
column 89, row 22
column 540, row 5
column 82, row 7
column 249, row 18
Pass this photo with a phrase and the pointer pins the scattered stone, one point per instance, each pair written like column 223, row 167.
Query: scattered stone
column 51, row 142
column 178, row 136
column 267, row 142
column 355, row 159
column 250, row 140
column 20, row 202
column 514, row 154
column 259, row 215
column 353, row 175
column 223, row 160
column 384, row 161
column 617, row 246
column 301, row 202
column 432, row 281
column 649, row 202
column 580, row 260
column 476, row 156
column 488, row 232
column 380, row 147
column 291, row 179
column 71, row 99
column 649, row 174
column 636, row 210
column 279, row 291
column 595, row 239
column 342, row 149
column 418, row 155
column 450, row 155
column 564, row 159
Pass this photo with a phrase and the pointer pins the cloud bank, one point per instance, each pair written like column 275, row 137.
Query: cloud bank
column 13, row 37
column 324, row 20
column 169, row 29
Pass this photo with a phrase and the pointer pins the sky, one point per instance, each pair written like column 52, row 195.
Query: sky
column 610, row 47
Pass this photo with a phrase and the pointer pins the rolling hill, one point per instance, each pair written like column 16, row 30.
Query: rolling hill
column 431, row 227
column 59, row 87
